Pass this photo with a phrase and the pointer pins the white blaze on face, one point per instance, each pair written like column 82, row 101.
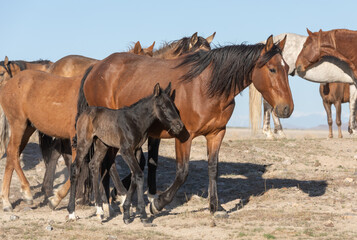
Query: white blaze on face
column 282, row 62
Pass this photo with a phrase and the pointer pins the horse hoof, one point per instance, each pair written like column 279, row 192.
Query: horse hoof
column 221, row 214
column 144, row 220
column 153, row 209
column 52, row 203
column 152, row 197
column 7, row 209
column 71, row 217
column 28, row 201
column 127, row 221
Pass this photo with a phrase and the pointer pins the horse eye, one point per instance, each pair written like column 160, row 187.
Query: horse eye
column 272, row 70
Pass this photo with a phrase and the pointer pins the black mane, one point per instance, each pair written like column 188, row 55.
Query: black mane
column 231, row 65
column 22, row 64
column 182, row 46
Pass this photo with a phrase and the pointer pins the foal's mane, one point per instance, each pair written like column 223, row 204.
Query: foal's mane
column 22, row 64
column 231, row 65
column 180, row 46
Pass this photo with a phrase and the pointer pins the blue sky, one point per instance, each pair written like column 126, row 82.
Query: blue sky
column 33, row 30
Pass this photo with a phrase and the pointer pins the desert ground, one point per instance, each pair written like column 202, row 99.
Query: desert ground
column 301, row 187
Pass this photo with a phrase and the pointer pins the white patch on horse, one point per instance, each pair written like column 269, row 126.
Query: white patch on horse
column 282, row 62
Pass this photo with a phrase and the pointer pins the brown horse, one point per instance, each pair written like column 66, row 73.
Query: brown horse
column 336, row 94
column 338, row 43
column 205, row 84
column 76, row 65
column 11, row 68
column 73, row 65
column 35, row 100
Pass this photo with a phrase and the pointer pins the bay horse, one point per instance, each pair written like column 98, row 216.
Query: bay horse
column 336, row 94
column 74, row 65
column 52, row 149
column 125, row 129
column 327, row 70
column 9, row 69
column 204, row 83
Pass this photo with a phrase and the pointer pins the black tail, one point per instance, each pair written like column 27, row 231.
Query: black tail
column 82, row 103
column 46, row 144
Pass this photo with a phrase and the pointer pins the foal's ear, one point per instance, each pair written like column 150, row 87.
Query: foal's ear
column 281, row 44
column 210, row 38
column 137, row 48
column 193, row 39
column 157, row 90
column 269, row 44
column 308, row 32
column 168, row 89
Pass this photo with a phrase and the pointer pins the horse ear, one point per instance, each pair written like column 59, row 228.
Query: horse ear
column 281, row 44
column 137, row 48
column 210, row 38
column 168, row 89
column 269, row 44
column 193, row 39
column 6, row 62
column 308, row 32
column 151, row 48
column 157, row 90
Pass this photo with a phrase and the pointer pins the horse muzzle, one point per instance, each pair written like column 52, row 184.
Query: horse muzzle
column 283, row 110
column 176, row 127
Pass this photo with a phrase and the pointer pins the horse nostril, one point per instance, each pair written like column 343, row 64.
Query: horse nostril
column 286, row 111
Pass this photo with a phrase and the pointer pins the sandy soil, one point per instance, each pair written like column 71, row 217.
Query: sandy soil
column 302, row 187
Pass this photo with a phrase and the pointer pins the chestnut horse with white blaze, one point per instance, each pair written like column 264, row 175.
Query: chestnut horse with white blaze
column 204, row 84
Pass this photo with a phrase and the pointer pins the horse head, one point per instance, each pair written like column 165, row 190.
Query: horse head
column 270, row 77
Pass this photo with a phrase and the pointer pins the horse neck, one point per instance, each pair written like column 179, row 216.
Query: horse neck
column 293, row 47
column 143, row 114
column 343, row 48
column 166, row 52
column 37, row 66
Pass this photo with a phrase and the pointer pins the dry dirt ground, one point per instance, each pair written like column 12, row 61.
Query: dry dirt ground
column 302, row 187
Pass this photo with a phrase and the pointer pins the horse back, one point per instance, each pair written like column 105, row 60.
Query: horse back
column 42, row 98
column 123, row 79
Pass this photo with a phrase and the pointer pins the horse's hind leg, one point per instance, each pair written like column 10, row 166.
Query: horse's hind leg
column 50, row 153
column 20, row 134
column 95, row 166
column 338, row 118
column 266, row 122
column 278, row 128
column 327, row 107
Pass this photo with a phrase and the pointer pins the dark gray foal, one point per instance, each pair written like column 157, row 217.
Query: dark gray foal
column 125, row 129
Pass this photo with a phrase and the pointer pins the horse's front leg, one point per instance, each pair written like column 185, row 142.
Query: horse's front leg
column 214, row 142
column 137, row 182
column 153, row 157
column 182, row 159
column 278, row 128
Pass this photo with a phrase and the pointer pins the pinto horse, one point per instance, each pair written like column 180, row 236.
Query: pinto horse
column 204, row 84
column 327, row 70
column 336, row 94
column 126, row 129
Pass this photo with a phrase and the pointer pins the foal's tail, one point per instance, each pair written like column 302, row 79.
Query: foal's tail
column 255, row 108
column 4, row 132
column 82, row 103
